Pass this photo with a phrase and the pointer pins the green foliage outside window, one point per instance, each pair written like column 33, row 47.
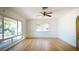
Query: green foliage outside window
column 9, row 29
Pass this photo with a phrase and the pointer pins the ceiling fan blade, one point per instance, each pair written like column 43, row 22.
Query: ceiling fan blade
column 49, row 15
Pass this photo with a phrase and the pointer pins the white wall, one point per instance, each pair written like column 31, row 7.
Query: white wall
column 12, row 14
column 24, row 29
column 67, row 27
column 52, row 28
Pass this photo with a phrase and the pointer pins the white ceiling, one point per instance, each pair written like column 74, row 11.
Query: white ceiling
column 34, row 12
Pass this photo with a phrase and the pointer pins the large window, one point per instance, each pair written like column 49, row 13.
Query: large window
column 0, row 28
column 10, row 27
column 10, row 31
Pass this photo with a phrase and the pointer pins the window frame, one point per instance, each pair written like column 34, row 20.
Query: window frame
column 2, row 16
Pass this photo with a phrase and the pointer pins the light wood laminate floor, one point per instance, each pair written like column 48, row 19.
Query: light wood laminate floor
column 42, row 45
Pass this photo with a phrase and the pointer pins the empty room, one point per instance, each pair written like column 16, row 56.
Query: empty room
column 39, row 28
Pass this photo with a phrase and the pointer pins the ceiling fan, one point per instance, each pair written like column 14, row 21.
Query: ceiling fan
column 46, row 13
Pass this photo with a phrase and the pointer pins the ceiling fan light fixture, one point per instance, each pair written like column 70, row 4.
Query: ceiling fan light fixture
column 44, row 8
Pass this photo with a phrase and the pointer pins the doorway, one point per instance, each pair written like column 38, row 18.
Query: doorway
column 77, row 32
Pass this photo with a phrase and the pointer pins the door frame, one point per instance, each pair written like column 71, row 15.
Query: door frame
column 76, row 33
